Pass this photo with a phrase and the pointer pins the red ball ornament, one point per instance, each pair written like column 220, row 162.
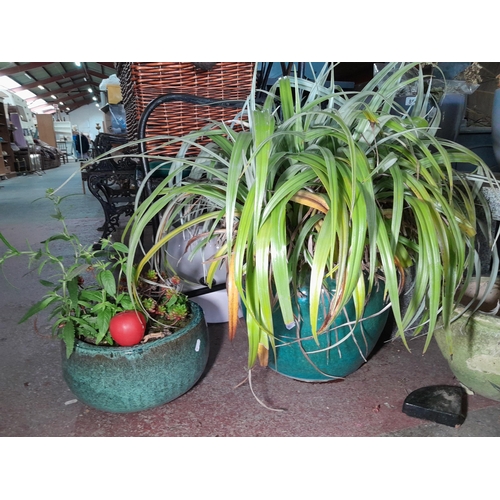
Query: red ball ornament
column 127, row 328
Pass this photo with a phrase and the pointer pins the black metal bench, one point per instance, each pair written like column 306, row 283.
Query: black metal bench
column 113, row 182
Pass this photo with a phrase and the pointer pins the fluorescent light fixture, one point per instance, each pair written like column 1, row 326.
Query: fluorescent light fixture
column 78, row 64
column 91, row 91
column 61, row 103
column 41, row 87
column 53, row 97
column 97, row 104
column 28, row 76
column 94, row 98
column 67, row 109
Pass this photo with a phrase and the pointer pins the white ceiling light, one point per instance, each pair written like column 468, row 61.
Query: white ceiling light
column 53, row 97
column 91, row 91
column 40, row 87
column 61, row 103
column 94, row 98
column 78, row 64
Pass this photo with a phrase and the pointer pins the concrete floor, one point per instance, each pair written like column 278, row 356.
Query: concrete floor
column 35, row 401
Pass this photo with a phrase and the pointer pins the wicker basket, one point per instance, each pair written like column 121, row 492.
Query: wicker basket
column 141, row 82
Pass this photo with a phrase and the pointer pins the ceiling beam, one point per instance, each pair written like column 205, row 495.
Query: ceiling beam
column 75, row 105
column 97, row 74
column 57, row 78
column 22, row 67
column 108, row 65
column 62, row 90
column 73, row 97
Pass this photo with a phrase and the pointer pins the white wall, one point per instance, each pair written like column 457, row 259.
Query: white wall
column 86, row 118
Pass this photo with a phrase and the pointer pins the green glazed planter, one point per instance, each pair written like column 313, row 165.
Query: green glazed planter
column 299, row 356
column 476, row 352
column 144, row 376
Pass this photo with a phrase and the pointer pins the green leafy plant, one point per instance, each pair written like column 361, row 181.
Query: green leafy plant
column 321, row 183
column 163, row 301
column 83, row 294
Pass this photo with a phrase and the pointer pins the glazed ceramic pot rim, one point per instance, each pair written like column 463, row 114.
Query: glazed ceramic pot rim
column 196, row 317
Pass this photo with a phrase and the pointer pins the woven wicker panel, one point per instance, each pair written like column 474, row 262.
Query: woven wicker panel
column 123, row 72
column 143, row 82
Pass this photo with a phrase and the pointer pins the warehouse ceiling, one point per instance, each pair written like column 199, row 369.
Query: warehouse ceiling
column 63, row 85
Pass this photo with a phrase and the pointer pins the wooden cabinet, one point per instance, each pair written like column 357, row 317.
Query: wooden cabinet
column 7, row 157
column 46, row 132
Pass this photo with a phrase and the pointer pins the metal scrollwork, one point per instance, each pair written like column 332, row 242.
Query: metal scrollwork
column 114, row 183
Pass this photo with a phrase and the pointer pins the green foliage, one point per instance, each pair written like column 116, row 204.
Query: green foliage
column 323, row 183
column 80, row 307
column 162, row 300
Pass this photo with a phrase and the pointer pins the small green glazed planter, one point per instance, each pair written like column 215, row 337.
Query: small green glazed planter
column 144, row 376
column 341, row 350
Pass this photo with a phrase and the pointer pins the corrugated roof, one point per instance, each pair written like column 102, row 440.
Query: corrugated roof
column 66, row 81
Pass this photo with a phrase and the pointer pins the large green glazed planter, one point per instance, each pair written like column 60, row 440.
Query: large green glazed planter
column 144, row 376
column 340, row 351
column 476, row 352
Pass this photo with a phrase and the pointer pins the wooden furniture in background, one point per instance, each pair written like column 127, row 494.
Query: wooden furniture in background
column 46, row 131
column 7, row 158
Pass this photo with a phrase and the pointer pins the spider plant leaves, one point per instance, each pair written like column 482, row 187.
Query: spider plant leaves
column 312, row 200
column 279, row 250
column 233, row 299
column 327, row 184
column 239, row 159
column 429, row 251
column 321, row 252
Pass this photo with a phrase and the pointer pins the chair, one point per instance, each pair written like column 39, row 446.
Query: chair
column 62, row 147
